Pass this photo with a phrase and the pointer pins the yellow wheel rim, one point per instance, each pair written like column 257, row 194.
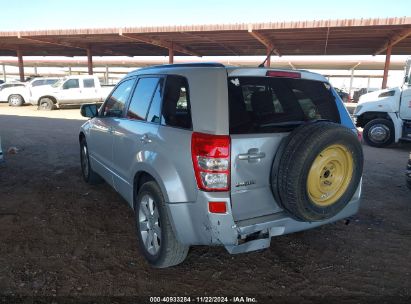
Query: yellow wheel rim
column 329, row 175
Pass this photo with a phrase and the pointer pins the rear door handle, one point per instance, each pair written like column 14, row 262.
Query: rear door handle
column 252, row 155
column 145, row 139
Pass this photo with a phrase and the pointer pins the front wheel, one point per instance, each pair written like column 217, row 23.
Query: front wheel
column 379, row 133
column 156, row 237
column 88, row 173
column 15, row 100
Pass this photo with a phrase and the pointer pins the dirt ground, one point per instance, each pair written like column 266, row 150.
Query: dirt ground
column 60, row 236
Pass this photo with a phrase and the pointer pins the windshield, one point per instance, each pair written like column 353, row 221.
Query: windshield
column 274, row 104
column 58, row 83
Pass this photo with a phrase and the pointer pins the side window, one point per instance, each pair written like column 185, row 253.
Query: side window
column 88, row 83
column 50, row 81
column 37, row 83
column 155, row 107
column 114, row 105
column 71, row 84
column 176, row 106
column 140, row 101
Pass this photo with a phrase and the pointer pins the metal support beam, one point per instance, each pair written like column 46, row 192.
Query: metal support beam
column 266, row 41
column 159, row 43
column 268, row 62
column 386, row 67
column 69, row 45
column 106, row 76
column 89, row 62
column 394, row 40
column 171, row 53
column 21, row 65
column 4, row 72
column 368, row 84
column 69, row 70
column 35, row 70
column 351, row 82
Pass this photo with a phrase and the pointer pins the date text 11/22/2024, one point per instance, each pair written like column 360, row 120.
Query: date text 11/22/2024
column 186, row 299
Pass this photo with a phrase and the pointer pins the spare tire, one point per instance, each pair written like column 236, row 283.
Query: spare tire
column 317, row 170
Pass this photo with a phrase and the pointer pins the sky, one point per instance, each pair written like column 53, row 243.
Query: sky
column 54, row 14
column 20, row 15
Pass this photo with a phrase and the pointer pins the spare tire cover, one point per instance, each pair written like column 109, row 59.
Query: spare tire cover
column 317, row 170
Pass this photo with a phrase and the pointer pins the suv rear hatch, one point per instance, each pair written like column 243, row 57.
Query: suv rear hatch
column 264, row 106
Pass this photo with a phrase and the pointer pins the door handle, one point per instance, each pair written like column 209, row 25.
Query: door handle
column 145, row 139
column 252, row 156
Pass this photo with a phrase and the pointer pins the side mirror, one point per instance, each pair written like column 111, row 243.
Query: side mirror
column 89, row 110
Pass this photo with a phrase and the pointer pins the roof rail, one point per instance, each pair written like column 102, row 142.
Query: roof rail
column 186, row 65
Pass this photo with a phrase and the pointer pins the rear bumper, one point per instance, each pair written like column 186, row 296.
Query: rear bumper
column 193, row 224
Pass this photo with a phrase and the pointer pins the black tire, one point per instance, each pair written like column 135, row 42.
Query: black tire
column 88, row 173
column 15, row 100
column 170, row 251
column 46, row 104
column 373, row 126
column 294, row 159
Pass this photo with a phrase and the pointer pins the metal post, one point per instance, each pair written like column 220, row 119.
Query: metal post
column 21, row 66
column 368, row 84
column 69, row 70
column 106, row 75
column 171, row 54
column 4, row 72
column 35, row 70
column 89, row 62
column 268, row 62
column 351, row 82
column 386, row 67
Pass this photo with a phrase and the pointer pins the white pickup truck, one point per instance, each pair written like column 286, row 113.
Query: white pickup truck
column 71, row 90
column 18, row 93
column 385, row 115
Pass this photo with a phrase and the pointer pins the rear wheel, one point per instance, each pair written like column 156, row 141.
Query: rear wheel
column 156, row 238
column 46, row 104
column 317, row 170
column 379, row 133
column 15, row 100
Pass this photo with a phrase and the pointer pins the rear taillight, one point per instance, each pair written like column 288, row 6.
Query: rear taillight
column 211, row 161
column 283, row 74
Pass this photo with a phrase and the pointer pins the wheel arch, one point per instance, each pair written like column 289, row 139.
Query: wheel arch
column 47, row 96
column 366, row 117
column 81, row 136
column 140, row 178
column 18, row 94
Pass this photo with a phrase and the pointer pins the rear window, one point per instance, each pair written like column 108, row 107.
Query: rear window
column 267, row 104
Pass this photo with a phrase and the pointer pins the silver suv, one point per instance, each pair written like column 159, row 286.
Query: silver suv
column 213, row 155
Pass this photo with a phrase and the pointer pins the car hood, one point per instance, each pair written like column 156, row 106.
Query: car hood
column 376, row 95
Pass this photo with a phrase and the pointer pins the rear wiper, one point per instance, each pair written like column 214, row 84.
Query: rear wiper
column 283, row 124
column 290, row 123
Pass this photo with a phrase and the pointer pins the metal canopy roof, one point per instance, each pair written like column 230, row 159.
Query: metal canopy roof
column 294, row 62
column 324, row 37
